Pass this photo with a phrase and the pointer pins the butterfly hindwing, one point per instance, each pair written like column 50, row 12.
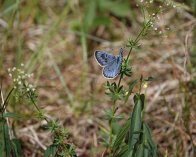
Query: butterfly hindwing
column 104, row 58
column 113, row 69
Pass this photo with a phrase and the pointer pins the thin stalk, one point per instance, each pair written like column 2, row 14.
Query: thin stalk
column 37, row 108
column 135, row 42
column 35, row 105
column 111, row 130
column 141, row 81
column 6, row 100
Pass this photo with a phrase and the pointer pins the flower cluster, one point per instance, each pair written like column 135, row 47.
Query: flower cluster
column 20, row 78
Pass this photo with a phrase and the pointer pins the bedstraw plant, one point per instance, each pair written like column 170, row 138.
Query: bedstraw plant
column 134, row 138
column 24, row 92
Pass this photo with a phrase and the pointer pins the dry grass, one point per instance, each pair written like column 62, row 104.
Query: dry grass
column 71, row 89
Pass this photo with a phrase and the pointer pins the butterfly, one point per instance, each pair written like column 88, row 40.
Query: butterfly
column 111, row 64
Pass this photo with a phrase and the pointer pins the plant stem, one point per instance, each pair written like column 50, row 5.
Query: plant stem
column 141, row 81
column 5, row 103
column 135, row 43
column 111, row 130
column 37, row 107
column 32, row 100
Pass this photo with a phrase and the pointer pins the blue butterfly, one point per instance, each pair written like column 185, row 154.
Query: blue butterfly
column 111, row 64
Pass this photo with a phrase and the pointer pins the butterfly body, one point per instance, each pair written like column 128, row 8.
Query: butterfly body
column 111, row 64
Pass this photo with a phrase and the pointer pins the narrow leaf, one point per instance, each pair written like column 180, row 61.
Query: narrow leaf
column 16, row 147
column 50, row 151
column 136, row 120
column 121, row 135
column 11, row 115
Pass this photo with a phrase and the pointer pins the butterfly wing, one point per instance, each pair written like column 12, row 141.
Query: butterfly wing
column 113, row 69
column 104, row 58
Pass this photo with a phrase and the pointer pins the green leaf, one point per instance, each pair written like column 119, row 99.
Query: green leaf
column 146, row 152
column 50, row 151
column 16, row 147
column 101, row 20
column 10, row 7
column 11, row 115
column 120, row 136
column 122, row 152
column 148, row 141
column 140, row 151
column 121, row 9
column 89, row 14
column 136, row 120
column 2, row 141
column 7, row 140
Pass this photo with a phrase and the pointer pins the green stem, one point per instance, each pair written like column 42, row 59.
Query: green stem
column 141, row 81
column 6, row 100
column 135, row 42
column 37, row 107
column 111, row 130
column 32, row 100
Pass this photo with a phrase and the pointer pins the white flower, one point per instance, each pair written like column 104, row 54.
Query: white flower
column 14, row 68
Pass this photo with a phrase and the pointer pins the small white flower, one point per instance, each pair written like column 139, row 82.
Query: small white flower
column 19, row 82
column 10, row 74
column 30, row 86
column 14, row 68
column 22, row 64
column 28, row 89
column 8, row 69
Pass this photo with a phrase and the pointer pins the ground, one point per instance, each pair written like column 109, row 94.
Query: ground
column 56, row 41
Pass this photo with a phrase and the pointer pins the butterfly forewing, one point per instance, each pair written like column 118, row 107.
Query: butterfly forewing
column 104, row 58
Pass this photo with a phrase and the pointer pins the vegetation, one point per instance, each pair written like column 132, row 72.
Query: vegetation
column 53, row 101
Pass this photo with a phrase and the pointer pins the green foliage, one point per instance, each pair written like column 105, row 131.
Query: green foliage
column 126, row 68
column 120, row 137
column 134, row 138
column 25, row 92
column 118, row 8
column 8, row 145
column 59, row 146
column 115, row 92
column 192, row 4
column 136, row 120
